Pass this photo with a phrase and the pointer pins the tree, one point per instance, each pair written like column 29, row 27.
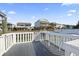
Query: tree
column 67, row 26
column 52, row 25
column 4, row 24
column 77, row 26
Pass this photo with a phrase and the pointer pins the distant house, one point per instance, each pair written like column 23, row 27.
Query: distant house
column 9, row 25
column 68, row 26
column 63, row 26
column 0, row 26
column 22, row 26
column 42, row 23
column 59, row 26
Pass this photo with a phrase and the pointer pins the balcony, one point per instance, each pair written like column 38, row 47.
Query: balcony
column 43, row 43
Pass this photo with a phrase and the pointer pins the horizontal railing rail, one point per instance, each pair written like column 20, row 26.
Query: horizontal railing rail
column 58, row 40
column 45, row 37
column 8, row 40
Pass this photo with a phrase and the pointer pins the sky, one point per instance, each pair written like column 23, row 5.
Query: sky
column 63, row 13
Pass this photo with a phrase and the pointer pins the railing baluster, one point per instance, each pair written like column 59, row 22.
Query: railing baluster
column 23, row 37
column 55, row 38
column 26, row 37
column 20, row 38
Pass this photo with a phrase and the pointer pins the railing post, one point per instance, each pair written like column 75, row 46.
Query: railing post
column 2, row 44
column 67, row 53
column 33, row 36
column 20, row 39
column 26, row 37
column 14, row 38
column 29, row 37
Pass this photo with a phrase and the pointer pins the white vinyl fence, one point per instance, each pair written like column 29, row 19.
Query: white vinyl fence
column 57, row 39
column 45, row 37
column 8, row 40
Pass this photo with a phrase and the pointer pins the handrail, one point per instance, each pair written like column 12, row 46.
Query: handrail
column 9, row 39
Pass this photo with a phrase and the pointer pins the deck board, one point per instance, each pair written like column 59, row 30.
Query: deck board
column 28, row 49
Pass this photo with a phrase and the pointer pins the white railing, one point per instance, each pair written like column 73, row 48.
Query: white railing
column 57, row 39
column 24, row 37
column 8, row 40
column 45, row 37
column 72, row 48
column 2, row 45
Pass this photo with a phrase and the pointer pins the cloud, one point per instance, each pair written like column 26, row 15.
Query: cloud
column 33, row 17
column 59, row 17
column 8, row 18
column 11, row 12
column 3, row 11
column 45, row 9
column 66, row 4
column 69, row 14
column 72, row 11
